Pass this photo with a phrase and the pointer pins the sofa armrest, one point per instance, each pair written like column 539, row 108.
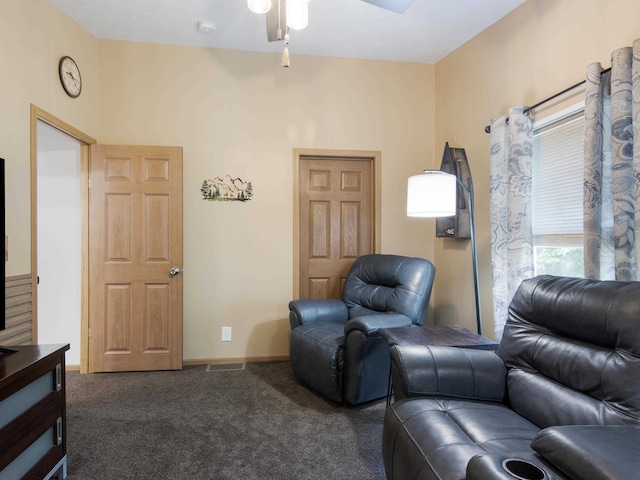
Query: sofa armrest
column 308, row 310
column 591, row 452
column 370, row 324
column 434, row 371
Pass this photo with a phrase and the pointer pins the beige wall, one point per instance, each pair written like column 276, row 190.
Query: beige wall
column 539, row 49
column 33, row 37
column 241, row 114
column 234, row 113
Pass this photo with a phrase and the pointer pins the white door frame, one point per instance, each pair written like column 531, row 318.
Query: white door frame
column 37, row 114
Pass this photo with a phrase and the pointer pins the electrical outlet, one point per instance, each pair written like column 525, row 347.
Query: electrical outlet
column 226, row 334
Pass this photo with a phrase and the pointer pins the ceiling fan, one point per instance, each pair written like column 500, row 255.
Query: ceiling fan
column 398, row 6
column 277, row 16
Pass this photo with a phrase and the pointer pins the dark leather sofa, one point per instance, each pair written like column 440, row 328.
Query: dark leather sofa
column 562, row 393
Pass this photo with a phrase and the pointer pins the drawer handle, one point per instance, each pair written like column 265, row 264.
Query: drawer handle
column 59, row 431
column 58, row 377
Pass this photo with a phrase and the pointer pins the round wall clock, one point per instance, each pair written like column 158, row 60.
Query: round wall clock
column 70, row 76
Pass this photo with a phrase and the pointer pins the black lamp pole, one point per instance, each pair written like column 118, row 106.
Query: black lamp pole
column 474, row 255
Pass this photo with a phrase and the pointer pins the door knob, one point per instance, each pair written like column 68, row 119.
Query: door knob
column 174, row 271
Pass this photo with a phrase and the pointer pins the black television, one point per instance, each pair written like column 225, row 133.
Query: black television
column 3, row 323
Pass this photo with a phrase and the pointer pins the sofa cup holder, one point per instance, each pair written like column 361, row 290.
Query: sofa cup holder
column 523, row 470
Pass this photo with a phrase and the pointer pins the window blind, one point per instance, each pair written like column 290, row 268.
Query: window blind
column 558, row 158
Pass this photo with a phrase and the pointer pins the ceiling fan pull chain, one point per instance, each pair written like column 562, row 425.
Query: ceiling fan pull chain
column 285, row 55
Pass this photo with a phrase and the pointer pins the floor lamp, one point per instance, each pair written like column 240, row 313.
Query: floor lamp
column 433, row 194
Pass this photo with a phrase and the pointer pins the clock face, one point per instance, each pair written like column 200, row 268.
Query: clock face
column 70, row 76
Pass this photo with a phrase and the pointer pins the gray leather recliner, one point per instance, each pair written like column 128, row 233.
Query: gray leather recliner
column 562, row 393
column 335, row 346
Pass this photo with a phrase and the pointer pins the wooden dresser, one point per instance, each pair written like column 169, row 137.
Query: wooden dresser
column 33, row 413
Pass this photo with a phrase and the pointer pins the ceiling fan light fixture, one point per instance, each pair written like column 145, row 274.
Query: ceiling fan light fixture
column 297, row 14
column 259, row 6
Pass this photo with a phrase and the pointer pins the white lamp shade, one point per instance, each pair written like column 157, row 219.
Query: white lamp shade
column 432, row 194
column 259, row 6
column 297, row 14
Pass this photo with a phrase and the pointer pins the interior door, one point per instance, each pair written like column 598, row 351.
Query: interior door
column 335, row 222
column 135, row 258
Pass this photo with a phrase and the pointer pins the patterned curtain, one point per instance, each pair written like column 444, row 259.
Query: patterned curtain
column 612, row 167
column 511, row 232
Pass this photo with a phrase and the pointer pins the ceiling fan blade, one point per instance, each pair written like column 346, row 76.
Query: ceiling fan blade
column 398, row 6
column 273, row 23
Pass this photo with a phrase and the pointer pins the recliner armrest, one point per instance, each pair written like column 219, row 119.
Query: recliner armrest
column 591, row 452
column 451, row 372
column 370, row 324
column 322, row 310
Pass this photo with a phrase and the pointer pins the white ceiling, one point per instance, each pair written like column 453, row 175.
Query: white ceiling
column 426, row 32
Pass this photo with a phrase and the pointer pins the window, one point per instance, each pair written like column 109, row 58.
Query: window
column 558, row 153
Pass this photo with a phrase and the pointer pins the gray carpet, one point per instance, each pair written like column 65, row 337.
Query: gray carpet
column 258, row 423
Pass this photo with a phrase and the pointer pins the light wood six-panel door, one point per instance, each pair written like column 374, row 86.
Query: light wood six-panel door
column 135, row 240
column 335, row 222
